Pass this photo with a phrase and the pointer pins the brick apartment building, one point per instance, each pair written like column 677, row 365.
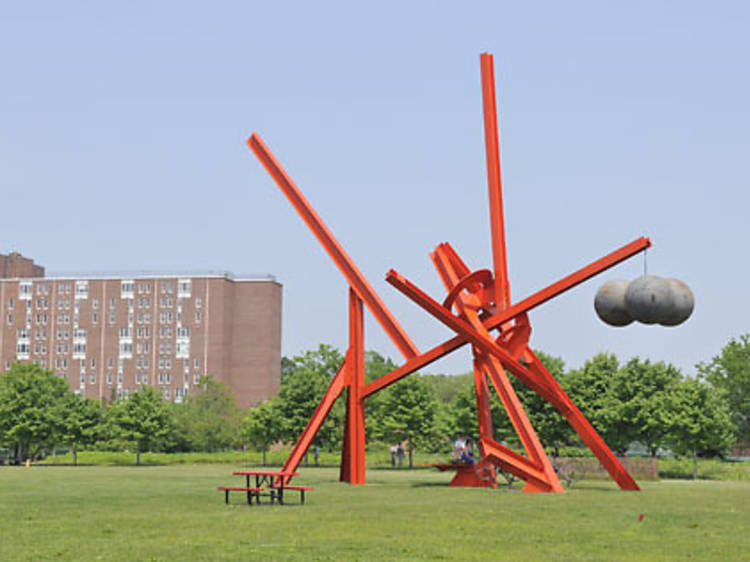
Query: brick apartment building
column 110, row 335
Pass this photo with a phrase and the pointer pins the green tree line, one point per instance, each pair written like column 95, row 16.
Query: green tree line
column 650, row 403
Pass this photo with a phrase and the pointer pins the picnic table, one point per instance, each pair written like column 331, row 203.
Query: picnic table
column 275, row 480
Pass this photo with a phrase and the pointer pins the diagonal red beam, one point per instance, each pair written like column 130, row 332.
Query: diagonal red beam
column 540, row 297
column 518, row 465
column 494, row 182
column 335, row 388
column 337, row 253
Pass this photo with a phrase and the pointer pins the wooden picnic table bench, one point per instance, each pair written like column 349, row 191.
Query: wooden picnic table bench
column 250, row 492
column 301, row 490
column 276, row 481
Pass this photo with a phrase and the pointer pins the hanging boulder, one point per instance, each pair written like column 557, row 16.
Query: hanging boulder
column 683, row 303
column 649, row 299
column 609, row 303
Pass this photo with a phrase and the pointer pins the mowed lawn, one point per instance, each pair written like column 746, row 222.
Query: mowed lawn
column 176, row 513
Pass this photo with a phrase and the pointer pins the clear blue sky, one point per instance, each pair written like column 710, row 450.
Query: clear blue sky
column 122, row 128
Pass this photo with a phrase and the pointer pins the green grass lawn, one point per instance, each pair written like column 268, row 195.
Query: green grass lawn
column 176, row 513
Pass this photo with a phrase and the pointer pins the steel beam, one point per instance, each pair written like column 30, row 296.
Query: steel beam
column 346, row 265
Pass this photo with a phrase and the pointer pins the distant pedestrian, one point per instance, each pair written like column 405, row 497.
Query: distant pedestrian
column 394, row 452
column 400, row 454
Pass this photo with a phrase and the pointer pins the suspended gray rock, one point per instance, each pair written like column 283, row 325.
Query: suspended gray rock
column 649, row 300
column 682, row 303
column 609, row 303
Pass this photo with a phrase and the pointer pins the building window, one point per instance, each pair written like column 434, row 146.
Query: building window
column 109, row 377
column 126, row 349
column 22, row 350
column 183, row 288
column 127, row 289
column 24, row 290
column 82, row 290
column 79, row 350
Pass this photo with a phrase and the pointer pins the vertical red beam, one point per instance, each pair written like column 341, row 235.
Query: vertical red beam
column 484, row 408
column 353, row 453
column 494, row 183
column 353, row 275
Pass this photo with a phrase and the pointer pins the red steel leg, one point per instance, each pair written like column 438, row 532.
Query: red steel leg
column 317, row 419
column 353, row 453
column 484, row 409
column 548, row 482
column 584, row 429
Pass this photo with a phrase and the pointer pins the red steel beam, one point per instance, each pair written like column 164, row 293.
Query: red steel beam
column 516, row 464
column 540, row 297
column 494, row 183
column 337, row 253
column 316, row 420
column 353, row 458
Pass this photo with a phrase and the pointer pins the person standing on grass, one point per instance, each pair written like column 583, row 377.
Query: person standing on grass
column 394, row 452
column 400, row 453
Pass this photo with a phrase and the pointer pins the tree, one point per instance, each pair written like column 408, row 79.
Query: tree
column 82, row 422
column 307, row 378
column 644, row 402
column 730, row 371
column 262, row 426
column 702, row 423
column 32, row 401
column 144, row 417
column 409, row 409
column 590, row 389
column 208, row 420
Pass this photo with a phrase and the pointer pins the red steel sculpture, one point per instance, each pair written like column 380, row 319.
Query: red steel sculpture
column 479, row 310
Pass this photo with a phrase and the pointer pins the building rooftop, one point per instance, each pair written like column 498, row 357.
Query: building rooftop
column 145, row 274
